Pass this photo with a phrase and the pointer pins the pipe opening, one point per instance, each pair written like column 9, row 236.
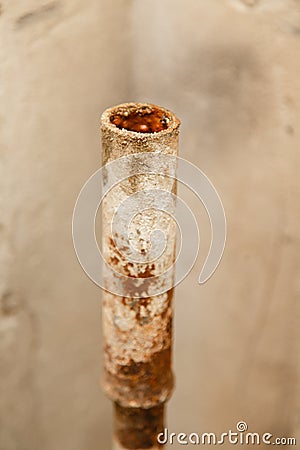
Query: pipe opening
column 143, row 119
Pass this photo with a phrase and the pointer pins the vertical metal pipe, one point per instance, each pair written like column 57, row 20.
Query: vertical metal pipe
column 138, row 330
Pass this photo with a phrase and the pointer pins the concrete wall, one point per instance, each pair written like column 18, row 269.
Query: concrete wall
column 62, row 63
column 230, row 70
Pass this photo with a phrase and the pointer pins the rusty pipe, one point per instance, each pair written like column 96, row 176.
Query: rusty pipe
column 137, row 327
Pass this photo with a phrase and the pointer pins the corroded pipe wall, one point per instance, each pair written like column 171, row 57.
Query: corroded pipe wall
column 137, row 326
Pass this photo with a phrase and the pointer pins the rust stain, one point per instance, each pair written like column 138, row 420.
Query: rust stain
column 137, row 428
column 138, row 373
column 145, row 119
column 142, row 384
column 121, row 264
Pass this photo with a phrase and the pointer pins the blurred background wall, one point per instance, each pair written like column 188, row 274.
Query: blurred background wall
column 230, row 70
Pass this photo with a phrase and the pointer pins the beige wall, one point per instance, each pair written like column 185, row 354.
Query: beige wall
column 230, row 70
column 60, row 67
column 231, row 73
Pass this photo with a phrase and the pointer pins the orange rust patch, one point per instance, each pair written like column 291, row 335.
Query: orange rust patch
column 141, row 120
column 144, row 383
column 148, row 272
column 118, row 260
column 137, row 428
